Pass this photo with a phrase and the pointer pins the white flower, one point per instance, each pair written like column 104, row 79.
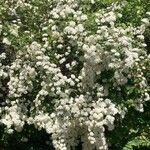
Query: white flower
column 14, row 30
column 147, row 97
column 146, row 21
column 80, row 28
column 148, row 13
column 92, row 1
column 1, row 28
column 6, row 41
column 84, row 17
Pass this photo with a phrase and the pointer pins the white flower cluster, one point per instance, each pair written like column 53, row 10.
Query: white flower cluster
column 62, row 80
column 3, row 71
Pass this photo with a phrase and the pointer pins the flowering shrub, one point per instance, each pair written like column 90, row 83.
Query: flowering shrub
column 73, row 69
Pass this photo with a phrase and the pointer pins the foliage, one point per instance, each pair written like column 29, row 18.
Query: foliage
column 74, row 74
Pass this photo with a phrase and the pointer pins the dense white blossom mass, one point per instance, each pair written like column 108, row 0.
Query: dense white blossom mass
column 72, row 78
